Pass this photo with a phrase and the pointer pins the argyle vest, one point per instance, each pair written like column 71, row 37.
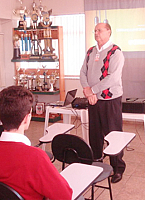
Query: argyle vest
column 106, row 94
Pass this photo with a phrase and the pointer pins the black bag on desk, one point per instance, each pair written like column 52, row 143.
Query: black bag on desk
column 80, row 103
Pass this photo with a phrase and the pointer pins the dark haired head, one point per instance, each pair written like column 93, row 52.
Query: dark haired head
column 15, row 103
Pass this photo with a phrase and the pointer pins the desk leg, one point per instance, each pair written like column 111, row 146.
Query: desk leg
column 46, row 120
column 43, row 146
column 66, row 118
column 144, row 122
column 45, row 125
column 85, row 125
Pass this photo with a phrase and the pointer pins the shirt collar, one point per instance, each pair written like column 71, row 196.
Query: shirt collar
column 15, row 137
column 105, row 46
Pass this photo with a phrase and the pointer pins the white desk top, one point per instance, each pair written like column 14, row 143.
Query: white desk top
column 63, row 110
column 55, row 129
column 134, row 116
column 80, row 177
column 67, row 113
column 117, row 141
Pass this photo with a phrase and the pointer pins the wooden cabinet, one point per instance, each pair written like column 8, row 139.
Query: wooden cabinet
column 29, row 67
column 23, row 65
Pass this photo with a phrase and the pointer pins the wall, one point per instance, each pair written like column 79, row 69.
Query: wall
column 8, row 21
column 61, row 7
column 7, row 49
column 74, row 84
column 8, row 52
column 134, row 76
column 6, row 9
column 2, row 67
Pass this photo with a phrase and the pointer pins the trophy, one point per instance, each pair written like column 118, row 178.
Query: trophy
column 38, row 85
column 21, row 79
column 34, row 15
column 24, row 81
column 36, row 50
column 16, row 44
column 21, row 12
column 46, row 24
column 44, row 81
column 17, row 77
column 45, row 84
column 45, row 17
column 32, row 87
column 48, row 49
column 41, row 10
column 52, row 80
column 45, row 77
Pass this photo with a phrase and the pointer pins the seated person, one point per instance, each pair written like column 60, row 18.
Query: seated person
column 26, row 169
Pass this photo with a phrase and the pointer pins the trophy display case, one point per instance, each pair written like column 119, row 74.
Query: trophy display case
column 38, row 64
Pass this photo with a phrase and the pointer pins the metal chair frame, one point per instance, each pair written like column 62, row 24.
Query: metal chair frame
column 8, row 193
column 73, row 149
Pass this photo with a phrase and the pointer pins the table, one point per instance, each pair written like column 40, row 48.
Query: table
column 80, row 177
column 117, row 142
column 134, row 116
column 67, row 113
column 83, row 113
column 55, row 129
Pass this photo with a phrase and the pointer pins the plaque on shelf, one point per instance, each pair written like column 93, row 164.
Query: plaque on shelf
column 25, row 56
column 33, row 57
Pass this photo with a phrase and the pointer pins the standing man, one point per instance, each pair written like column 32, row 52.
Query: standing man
column 101, row 79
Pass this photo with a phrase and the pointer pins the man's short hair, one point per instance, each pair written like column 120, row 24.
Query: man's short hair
column 15, row 103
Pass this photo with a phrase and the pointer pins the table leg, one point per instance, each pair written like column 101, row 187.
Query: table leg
column 46, row 120
column 45, row 125
column 144, row 122
column 85, row 126
column 67, row 118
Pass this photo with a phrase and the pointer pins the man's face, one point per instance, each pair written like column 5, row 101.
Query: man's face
column 102, row 35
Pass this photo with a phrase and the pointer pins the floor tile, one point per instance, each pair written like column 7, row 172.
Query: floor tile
column 131, row 187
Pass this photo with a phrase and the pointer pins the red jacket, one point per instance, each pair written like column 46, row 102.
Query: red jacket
column 30, row 172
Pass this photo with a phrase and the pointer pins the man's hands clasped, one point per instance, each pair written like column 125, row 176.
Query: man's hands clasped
column 92, row 98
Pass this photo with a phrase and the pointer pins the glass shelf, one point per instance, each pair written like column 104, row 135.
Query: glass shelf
column 34, row 60
column 31, row 28
column 46, row 92
column 41, row 118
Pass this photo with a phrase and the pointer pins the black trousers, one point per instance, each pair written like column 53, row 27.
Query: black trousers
column 105, row 116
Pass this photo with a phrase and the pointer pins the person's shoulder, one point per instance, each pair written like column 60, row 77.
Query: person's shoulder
column 33, row 151
column 90, row 49
column 114, row 47
column 115, row 50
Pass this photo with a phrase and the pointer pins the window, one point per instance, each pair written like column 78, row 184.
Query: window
column 74, row 41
